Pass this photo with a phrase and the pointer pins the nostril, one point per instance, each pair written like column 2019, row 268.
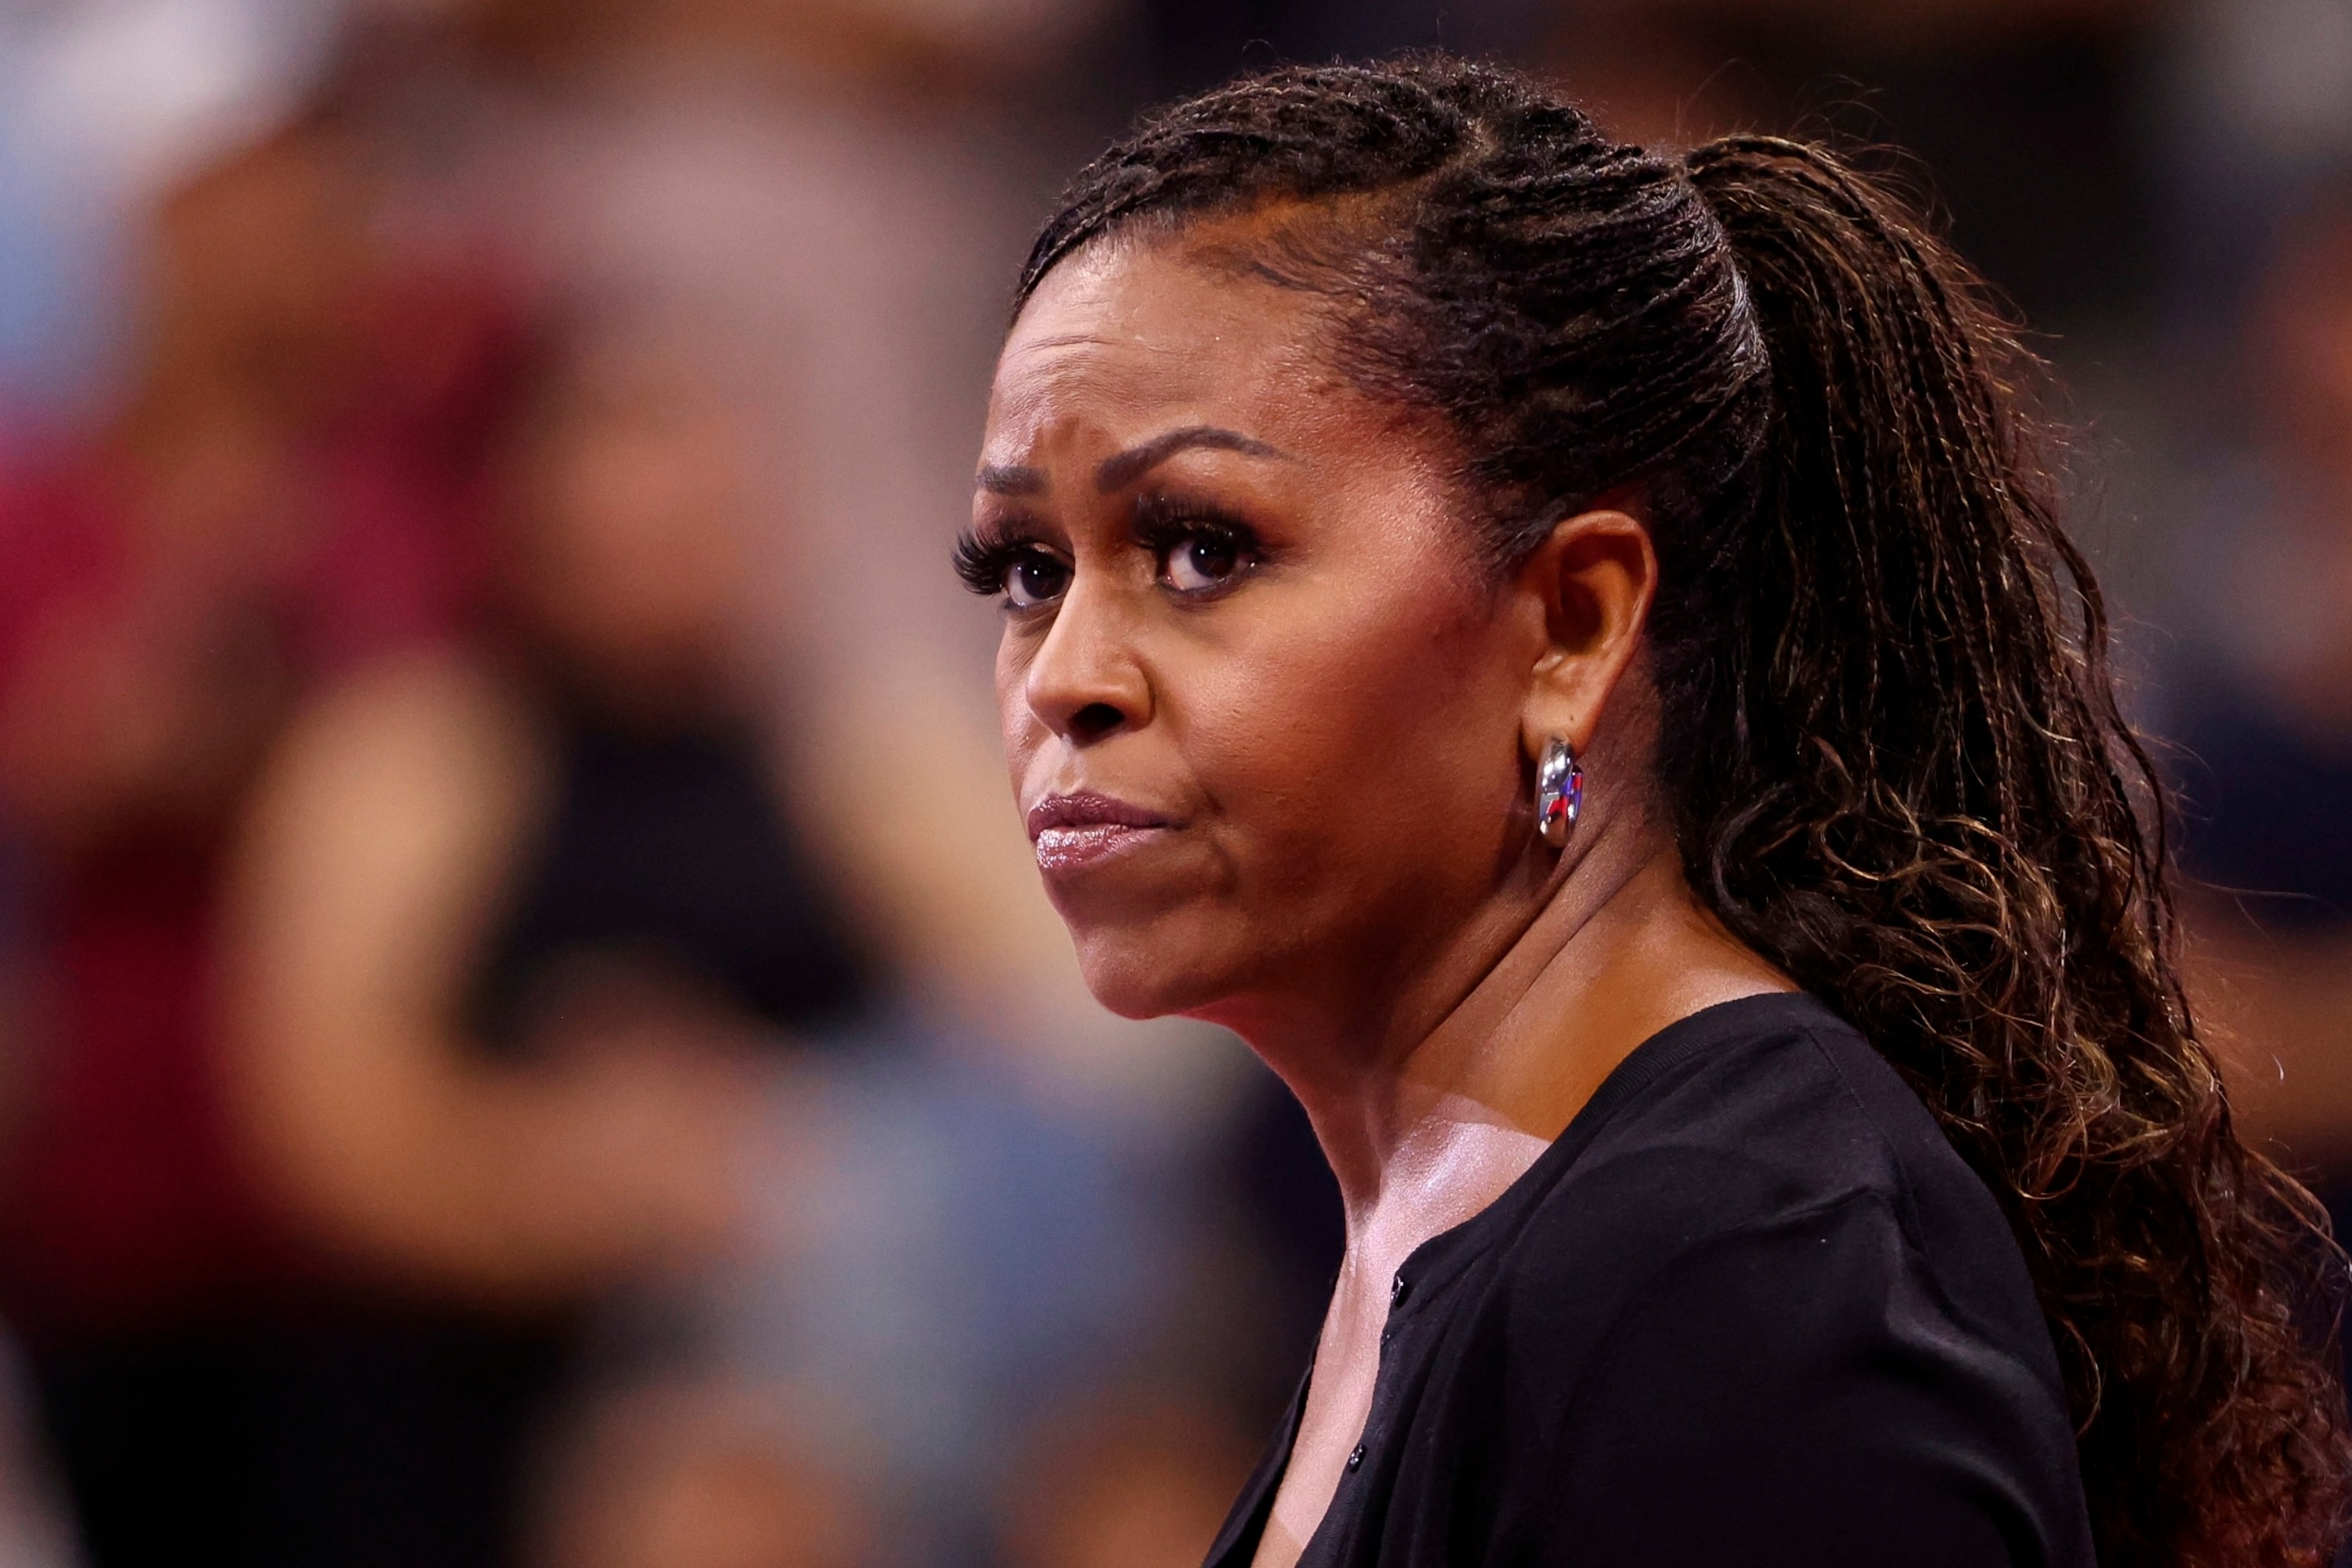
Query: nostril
column 1094, row 720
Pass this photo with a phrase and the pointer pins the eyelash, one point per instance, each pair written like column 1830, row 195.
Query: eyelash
column 982, row 562
column 1162, row 524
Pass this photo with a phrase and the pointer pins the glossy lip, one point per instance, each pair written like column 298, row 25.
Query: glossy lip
column 1072, row 832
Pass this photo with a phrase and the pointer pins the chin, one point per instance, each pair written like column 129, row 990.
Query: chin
column 1149, row 972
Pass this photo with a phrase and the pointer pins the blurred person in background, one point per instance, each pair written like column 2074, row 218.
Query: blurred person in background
column 288, row 488
column 522, row 917
column 518, row 910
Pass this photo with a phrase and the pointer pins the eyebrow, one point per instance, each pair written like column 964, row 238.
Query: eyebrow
column 1012, row 480
column 1117, row 472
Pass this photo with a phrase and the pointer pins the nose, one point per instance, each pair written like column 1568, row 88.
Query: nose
column 1086, row 683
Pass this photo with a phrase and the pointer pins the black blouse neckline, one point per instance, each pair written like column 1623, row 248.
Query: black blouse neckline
column 1440, row 1261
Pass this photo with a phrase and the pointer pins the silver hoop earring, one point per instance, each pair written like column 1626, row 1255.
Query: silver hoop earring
column 1559, row 792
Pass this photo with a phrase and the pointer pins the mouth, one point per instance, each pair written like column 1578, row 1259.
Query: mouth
column 1071, row 832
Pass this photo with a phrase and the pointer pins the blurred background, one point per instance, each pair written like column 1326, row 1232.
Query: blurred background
column 528, row 1034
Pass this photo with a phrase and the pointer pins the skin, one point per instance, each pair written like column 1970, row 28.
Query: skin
column 1323, row 738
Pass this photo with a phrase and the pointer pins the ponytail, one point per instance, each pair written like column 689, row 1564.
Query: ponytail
column 1913, row 789
column 1894, row 756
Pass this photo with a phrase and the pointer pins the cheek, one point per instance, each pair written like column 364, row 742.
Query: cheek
column 1018, row 725
column 1371, row 744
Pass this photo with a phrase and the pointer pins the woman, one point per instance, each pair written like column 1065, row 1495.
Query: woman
column 517, row 914
column 1568, row 652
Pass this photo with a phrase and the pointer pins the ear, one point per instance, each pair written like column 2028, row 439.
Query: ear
column 1594, row 578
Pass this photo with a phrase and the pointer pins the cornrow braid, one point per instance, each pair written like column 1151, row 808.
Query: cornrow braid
column 1895, row 760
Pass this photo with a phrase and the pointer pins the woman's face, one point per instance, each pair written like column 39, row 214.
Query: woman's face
column 633, row 553
column 1262, row 706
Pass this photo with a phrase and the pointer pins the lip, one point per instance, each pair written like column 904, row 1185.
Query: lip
column 1072, row 832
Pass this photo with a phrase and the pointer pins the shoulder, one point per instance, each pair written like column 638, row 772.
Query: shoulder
column 1761, row 1127
column 392, row 800
column 1769, row 1275
column 431, row 727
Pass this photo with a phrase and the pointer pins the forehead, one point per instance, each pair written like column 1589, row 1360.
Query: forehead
column 1131, row 333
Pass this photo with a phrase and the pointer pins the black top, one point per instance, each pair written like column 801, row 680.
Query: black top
column 1751, row 1308
column 671, row 849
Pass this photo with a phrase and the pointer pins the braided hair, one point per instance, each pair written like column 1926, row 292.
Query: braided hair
column 1894, row 755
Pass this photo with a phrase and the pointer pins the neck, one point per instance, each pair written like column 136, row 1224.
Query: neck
column 1481, row 1060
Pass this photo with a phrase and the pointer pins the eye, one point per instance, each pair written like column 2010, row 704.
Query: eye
column 1202, row 560
column 1034, row 578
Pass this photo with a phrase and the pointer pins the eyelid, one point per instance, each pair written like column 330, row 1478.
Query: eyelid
column 986, row 552
column 1009, row 528
column 1161, row 521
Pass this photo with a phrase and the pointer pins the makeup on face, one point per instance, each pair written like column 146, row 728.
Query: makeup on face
column 1246, row 648
column 1075, row 832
